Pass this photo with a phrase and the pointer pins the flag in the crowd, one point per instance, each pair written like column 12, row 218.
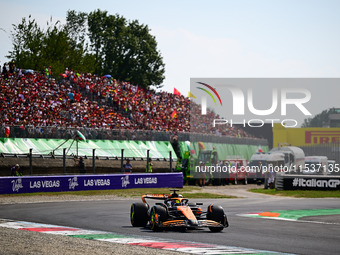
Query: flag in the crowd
column 7, row 132
column 80, row 136
column 201, row 145
column 176, row 92
column 191, row 95
column 174, row 114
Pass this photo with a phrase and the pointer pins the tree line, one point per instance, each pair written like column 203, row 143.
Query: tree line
column 95, row 42
column 319, row 120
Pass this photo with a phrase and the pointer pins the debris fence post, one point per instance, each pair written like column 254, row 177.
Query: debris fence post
column 64, row 160
column 94, row 161
column 30, row 156
column 121, row 160
column 170, row 157
column 147, row 160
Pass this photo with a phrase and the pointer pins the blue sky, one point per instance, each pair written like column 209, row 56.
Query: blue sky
column 239, row 38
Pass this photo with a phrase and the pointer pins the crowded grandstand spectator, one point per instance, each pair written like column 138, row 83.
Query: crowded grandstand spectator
column 31, row 99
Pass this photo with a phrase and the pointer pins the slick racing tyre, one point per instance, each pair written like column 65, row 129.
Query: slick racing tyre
column 139, row 214
column 158, row 214
column 216, row 213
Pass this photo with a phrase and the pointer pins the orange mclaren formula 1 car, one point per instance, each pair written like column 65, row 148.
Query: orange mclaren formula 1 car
column 176, row 212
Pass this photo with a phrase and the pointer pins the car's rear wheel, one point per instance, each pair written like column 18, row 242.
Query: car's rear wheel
column 158, row 214
column 139, row 214
column 216, row 213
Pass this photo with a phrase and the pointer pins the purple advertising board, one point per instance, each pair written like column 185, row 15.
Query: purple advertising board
column 31, row 184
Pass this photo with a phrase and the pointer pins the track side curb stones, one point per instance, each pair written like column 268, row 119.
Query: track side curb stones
column 180, row 246
column 294, row 215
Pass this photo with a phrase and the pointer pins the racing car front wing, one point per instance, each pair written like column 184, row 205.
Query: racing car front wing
column 188, row 223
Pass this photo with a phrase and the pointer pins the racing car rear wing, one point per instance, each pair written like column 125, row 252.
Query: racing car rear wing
column 161, row 196
column 155, row 196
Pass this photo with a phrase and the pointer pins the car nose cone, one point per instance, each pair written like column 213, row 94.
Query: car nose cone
column 193, row 222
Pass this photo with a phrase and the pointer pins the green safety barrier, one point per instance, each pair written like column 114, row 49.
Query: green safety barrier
column 104, row 148
column 112, row 148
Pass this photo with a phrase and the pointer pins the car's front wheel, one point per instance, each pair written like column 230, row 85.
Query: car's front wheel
column 158, row 214
column 139, row 214
column 216, row 213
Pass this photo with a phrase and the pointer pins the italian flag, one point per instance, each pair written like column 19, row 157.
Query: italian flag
column 80, row 136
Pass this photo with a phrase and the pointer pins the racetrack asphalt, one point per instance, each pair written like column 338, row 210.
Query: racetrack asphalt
column 299, row 237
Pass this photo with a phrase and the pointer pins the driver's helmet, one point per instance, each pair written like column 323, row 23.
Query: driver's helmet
column 174, row 202
column 177, row 202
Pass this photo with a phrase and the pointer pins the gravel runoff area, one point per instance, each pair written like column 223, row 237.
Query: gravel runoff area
column 14, row 241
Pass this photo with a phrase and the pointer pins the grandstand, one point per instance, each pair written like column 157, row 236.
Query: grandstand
column 33, row 100
column 33, row 105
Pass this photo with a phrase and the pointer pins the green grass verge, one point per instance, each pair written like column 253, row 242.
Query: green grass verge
column 187, row 191
column 299, row 193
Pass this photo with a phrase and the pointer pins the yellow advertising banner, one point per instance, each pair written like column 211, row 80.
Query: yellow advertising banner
column 304, row 136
